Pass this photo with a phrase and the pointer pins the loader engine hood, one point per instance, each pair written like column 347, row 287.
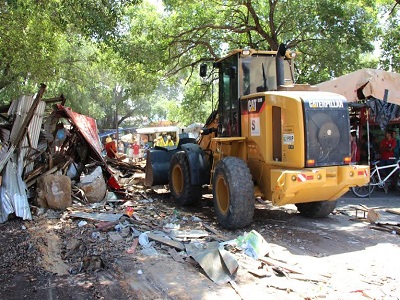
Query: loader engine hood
column 327, row 129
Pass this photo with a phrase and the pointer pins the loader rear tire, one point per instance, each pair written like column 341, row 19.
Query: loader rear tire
column 317, row 209
column 180, row 186
column 233, row 193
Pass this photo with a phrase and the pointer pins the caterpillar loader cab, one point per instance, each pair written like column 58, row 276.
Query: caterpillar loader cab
column 269, row 138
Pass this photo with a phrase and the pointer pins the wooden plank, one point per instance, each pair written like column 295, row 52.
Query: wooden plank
column 218, row 235
column 381, row 228
column 386, row 227
column 275, row 263
column 395, row 211
column 315, row 278
column 96, row 216
column 32, row 181
column 165, row 241
column 261, row 273
column 175, row 255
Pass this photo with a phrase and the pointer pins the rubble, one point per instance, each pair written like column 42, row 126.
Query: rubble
column 35, row 161
column 54, row 191
column 131, row 235
column 112, row 224
column 94, row 186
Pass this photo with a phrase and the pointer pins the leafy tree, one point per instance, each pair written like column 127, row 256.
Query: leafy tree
column 28, row 47
column 121, row 60
column 196, row 104
column 184, row 104
column 330, row 35
column 141, row 51
column 390, row 58
column 33, row 32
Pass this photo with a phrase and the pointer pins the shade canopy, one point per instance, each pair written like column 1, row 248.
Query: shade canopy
column 365, row 83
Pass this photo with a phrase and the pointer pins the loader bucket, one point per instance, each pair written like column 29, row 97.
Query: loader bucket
column 157, row 165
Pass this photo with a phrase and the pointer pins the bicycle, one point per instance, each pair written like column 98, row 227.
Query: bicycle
column 376, row 180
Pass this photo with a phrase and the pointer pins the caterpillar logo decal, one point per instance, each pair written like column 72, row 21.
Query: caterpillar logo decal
column 326, row 103
column 254, row 105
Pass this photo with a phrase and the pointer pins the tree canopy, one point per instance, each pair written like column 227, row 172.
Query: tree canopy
column 131, row 61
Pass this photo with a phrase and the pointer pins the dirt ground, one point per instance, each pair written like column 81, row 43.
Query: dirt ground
column 61, row 256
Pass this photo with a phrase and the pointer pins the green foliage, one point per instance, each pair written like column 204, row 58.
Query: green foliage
column 332, row 36
column 343, row 36
column 97, row 19
column 129, row 61
column 81, row 76
column 33, row 33
column 194, row 107
column 28, row 47
column 390, row 58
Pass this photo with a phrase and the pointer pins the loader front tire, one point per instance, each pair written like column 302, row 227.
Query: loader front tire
column 317, row 209
column 180, row 186
column 233, row 193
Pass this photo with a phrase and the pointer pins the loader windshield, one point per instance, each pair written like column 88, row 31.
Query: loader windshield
column 257, row 73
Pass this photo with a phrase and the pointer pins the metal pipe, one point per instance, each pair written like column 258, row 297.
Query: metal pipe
column 280, row 67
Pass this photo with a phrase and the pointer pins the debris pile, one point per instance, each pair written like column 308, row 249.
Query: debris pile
column 138, row 227
column 92, row 213
column 50, row 155
column 372, row 216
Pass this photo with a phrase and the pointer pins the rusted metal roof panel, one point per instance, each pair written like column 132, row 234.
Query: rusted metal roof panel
column 87, row 126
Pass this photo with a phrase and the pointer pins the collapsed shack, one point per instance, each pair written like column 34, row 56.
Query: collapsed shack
column 45, row 163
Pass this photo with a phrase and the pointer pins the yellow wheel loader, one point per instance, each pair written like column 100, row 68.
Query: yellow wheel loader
column 269, row 138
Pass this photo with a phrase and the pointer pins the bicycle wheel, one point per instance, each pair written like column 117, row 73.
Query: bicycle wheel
column 398, row 184
column 365, row 190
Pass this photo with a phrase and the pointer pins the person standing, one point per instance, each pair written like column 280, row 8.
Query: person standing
column 396, row 150
column 111, row 148
column 160, row 142
column 136, row 151
column 121, row 147
column 387, row 146
column 355, row 153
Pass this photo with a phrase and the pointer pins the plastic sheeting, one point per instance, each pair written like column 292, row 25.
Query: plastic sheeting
column 383, row 111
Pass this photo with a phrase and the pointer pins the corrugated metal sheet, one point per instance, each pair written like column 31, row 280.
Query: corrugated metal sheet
column 87, row 126
column 13, row 193
column 33, row 134
column 19, row 109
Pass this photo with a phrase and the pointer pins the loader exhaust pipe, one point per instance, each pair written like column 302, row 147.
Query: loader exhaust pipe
column 280, row 66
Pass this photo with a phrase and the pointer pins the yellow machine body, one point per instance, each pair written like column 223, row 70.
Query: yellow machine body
column 273, row 146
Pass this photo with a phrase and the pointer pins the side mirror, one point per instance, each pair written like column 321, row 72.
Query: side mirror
column 203, row 70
